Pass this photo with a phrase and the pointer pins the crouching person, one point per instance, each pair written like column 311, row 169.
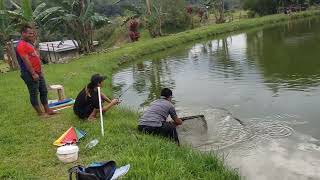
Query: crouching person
column 87, row 101
column 154, row 118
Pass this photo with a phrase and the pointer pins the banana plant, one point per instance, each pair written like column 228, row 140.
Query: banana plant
column 78, row 22
column 35, row 17
column 24, row 14
column 6, row 28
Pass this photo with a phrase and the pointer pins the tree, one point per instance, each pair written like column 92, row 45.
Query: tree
column 23, row 13
column 265, row 7
column 261, row 7
column 165, row 15
column 148, row 5
column 218, row 7
column 75, row 19
column 154, row 18
column 78, row 21
column 159, row 16
column 6, row 28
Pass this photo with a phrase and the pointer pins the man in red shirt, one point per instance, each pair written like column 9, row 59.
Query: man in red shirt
column 31, row 71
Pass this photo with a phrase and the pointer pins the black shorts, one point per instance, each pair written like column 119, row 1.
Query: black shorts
column 84, row 113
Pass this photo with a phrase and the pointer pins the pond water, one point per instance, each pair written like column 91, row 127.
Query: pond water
column 268, row 79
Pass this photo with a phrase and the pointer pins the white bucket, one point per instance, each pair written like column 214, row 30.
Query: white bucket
column 68, row 153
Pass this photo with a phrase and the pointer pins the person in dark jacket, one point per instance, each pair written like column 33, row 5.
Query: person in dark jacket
column 87, row 101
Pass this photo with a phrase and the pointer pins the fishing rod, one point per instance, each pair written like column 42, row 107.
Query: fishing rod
column 124, row 92
column 224, row 109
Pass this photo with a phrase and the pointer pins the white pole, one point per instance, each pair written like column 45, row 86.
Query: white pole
column 100, row 107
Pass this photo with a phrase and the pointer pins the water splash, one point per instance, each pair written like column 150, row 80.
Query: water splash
column 225, row 131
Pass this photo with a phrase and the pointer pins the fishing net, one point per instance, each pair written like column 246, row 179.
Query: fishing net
column 211, row 130
column 194, row 129
column 219, row 129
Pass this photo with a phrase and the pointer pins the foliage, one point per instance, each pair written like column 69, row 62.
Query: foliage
column 164, row 15
column 265, row 7
column 77, row 21
column 6, row 29
column 116, row 34
column 217, row 7
column 261, row 7
column 74, row 19
column 24, row 13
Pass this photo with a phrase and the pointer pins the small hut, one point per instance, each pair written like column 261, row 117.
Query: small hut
column 59, row 51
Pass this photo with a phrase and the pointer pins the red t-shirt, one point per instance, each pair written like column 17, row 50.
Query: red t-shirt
column 26, row 49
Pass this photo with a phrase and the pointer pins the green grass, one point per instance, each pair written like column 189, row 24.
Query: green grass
column 26, row 141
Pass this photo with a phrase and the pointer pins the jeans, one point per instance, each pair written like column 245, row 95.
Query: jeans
column 35, row 88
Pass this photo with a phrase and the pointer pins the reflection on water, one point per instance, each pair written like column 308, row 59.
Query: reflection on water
column 268, row 78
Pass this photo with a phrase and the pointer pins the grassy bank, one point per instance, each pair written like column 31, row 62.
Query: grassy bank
column 26, row 141
column 135, row 50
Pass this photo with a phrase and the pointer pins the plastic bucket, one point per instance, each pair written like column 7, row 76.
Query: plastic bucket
column 68, row 153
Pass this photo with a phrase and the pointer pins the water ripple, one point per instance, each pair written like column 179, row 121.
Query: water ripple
column 225, row 131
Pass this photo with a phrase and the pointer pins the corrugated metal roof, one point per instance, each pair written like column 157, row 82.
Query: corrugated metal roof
column 60, row 46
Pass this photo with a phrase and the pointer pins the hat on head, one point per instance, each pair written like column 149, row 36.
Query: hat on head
column 97, row 78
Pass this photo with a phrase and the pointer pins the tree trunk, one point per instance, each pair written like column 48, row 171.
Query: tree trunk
column 11, row 54
column 148, row 7
column 82, row 5
column 222, row 11
column 160, row 20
